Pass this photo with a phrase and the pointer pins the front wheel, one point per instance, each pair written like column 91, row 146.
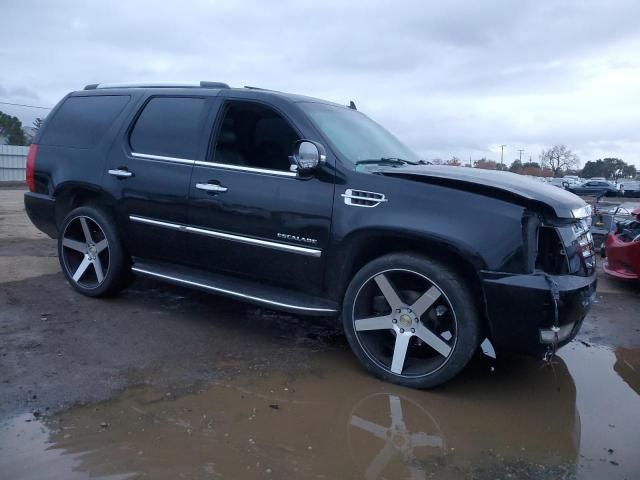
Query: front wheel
column 411, row 320
column 91, row 254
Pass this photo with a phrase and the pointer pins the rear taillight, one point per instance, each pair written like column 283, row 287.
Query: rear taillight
column 31, row 163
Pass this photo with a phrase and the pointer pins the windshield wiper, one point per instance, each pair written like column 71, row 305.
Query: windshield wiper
column 388, row 160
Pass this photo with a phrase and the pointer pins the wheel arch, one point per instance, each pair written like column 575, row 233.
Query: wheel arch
column 74, row 194
column 361, row 247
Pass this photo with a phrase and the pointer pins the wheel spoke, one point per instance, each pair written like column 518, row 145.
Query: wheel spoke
column 423, row 439
column 74, row 245
column 388, row 291
column 400, row 352
column 85, row 229
column 433, row 340
column 374, row 323
column 427, row 299
column 373, row 428
column 97, row 265
column 395, row 407
column 380, row 462
column 81, row 269
column 101, row 245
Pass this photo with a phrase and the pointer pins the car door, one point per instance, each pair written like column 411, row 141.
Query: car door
column 255, row 217
column 149, row 172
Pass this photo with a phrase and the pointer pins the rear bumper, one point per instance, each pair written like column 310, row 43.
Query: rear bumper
column 41, row 210
column 521, row 313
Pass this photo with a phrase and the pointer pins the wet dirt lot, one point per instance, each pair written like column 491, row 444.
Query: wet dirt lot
column 164, row 382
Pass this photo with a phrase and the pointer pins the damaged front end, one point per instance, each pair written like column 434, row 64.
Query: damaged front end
column 539, row 311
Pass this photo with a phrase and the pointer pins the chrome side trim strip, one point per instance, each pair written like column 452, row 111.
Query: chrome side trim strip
column 147, row 156
column 312, row 252
column 231, row 292
column 200, row 163
column 174, row 226
column 242, row 168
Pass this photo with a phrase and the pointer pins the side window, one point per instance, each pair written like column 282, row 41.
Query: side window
column 81, row 122
column 169, row 126
column 253, row 135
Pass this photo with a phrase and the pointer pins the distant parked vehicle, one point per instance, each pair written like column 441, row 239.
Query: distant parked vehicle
column 559, row 182
column 630, row 188
column 622, row 249
column 594, row 187
column 572, row 179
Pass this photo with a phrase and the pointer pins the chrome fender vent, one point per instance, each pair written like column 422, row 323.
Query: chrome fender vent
column 360, row 198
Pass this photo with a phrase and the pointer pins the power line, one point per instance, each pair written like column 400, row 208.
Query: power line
column 23, row 105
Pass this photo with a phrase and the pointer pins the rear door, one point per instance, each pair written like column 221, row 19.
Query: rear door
column 254, row 216
column 149, row 172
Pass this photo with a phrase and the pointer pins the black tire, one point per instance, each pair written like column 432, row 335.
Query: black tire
column 111, row 260
column 461, row 319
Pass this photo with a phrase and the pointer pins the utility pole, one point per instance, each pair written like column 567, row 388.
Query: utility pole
column 502, row 154
column 520, row 154
column 469, row 160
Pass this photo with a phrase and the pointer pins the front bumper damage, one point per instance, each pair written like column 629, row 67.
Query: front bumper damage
column 522, row 311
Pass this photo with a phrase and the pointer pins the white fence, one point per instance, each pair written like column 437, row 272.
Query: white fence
column 13, row 163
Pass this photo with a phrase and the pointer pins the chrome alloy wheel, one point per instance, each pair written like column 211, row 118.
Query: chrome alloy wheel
column 85, row 252
column 404, row 323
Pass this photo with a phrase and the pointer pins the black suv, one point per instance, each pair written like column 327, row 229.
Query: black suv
column 310, row 207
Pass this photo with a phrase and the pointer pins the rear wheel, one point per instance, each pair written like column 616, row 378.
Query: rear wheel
column 91, row 254
column 411, row 320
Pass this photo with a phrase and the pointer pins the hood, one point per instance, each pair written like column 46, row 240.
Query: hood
column 495, row 183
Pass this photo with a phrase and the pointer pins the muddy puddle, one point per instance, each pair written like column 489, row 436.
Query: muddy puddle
column 579, row 418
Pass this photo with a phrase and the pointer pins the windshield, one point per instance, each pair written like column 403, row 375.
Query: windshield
column 358, row 138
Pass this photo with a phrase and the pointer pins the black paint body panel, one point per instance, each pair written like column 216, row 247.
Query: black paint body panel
column 441, row 213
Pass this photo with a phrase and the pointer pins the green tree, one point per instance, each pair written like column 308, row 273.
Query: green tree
column 606, row 167
column 559, row 158
column 629, row 171
column 11, row 128
column 485, row 164
column 516, row 166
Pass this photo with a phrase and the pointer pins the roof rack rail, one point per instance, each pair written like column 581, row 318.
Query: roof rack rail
column 201, row 84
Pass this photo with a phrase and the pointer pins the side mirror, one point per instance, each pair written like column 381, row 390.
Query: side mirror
column 308, row 155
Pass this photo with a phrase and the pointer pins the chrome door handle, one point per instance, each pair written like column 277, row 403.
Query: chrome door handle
column 211, row 187
column 121, row 173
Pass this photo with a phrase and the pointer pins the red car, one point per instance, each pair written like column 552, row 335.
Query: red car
column 622, row 249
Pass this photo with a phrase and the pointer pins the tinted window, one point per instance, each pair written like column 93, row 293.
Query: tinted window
column 355, row 135
column 82, row 121
column 254, row 135
column 169, row 126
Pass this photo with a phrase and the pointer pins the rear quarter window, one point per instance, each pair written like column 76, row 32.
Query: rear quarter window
column 170, row 126
column 81, row 122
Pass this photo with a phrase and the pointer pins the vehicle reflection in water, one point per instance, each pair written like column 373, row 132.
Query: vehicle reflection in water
column 336, row 422
column 403, row 444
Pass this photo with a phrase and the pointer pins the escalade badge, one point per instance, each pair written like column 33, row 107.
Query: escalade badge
column 297, row 238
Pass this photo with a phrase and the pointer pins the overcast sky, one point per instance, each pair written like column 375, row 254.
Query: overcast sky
column 448, row 78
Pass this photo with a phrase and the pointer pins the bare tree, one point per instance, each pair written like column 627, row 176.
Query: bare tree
column 559, row 158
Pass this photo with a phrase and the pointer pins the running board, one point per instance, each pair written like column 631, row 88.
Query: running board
column 246, row 290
